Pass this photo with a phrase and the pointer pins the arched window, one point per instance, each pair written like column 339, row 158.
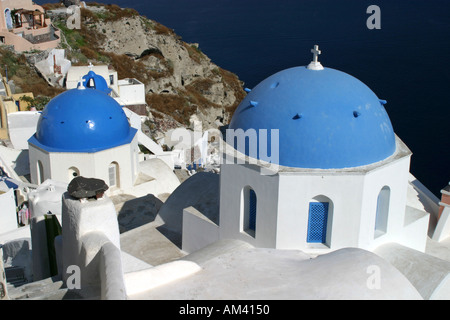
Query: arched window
column 113, row 173
column 319, row 220
column 73, row 172
column 8, row 19
column 40, row 172
column 381, row 219
column 249, row 211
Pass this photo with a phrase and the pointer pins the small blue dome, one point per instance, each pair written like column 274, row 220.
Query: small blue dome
column 94, row 81
column 82, row 121
column 326, row 119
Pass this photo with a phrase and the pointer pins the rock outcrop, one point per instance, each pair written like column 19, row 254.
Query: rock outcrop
column 180, row 80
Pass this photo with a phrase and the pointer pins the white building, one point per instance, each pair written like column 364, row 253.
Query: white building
column 8, row 216
column 55, row 66
column 131, row 92
column 127, row 92
column 85, row 132
column 332, row 199
column 312, row 163
column 21, row 126
column 76, row 72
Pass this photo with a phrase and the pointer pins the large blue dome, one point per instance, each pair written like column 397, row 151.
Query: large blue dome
column 82, row 120
column 326, row 119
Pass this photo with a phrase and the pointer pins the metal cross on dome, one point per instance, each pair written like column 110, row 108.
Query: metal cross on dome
column 316, row 53
column 315, row 64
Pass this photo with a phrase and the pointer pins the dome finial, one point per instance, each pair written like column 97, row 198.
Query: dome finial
column 80, row 84
column 315, row 64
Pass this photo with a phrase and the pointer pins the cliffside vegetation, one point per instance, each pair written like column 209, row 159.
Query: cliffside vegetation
column 180, row 79
column 25, row 78
column 175, row 101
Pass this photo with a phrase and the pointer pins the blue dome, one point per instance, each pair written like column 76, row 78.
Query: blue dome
column 82, row 121
column 94, row 81
column 326, row 119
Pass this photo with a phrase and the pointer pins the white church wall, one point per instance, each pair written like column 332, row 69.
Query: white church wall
column 21, row 126
column 393, row 175
column 414, row 233
column 297, row 190
column 60, row 166
column 123, row 156
column 86, row 227
column 283, row 203
column 131, row 91
column 8, row 211
column 40, row 169
column 61, row 162
column 233, row 180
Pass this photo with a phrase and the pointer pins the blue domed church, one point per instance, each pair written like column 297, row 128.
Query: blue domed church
column 311, row 162
column 85, row 132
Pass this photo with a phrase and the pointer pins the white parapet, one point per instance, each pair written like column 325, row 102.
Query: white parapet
column 86, row 226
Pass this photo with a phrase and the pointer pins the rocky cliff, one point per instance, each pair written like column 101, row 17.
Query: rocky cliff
column 181, row 81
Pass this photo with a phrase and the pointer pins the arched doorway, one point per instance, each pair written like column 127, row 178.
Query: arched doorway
column 249, row 210
column 40, row 172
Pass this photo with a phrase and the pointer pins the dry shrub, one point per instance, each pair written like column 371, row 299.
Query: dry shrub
column 41, row 88
column 52, row 6
column 128, row 67
column 194, row 52
column 232, row 81
column 115, row 13
column 125, row 66
column 162, row 29
column 195, row 93
column 112, row 12
column 173, row 105
column 201, row 85
column 89, row 53
column 94, row 4
column 88, row 15
column 92, row 38
column 25, row 78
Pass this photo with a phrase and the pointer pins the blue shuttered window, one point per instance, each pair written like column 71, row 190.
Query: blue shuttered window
column 318, row 219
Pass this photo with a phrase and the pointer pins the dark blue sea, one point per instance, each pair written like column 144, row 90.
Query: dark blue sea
column 406, row 62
